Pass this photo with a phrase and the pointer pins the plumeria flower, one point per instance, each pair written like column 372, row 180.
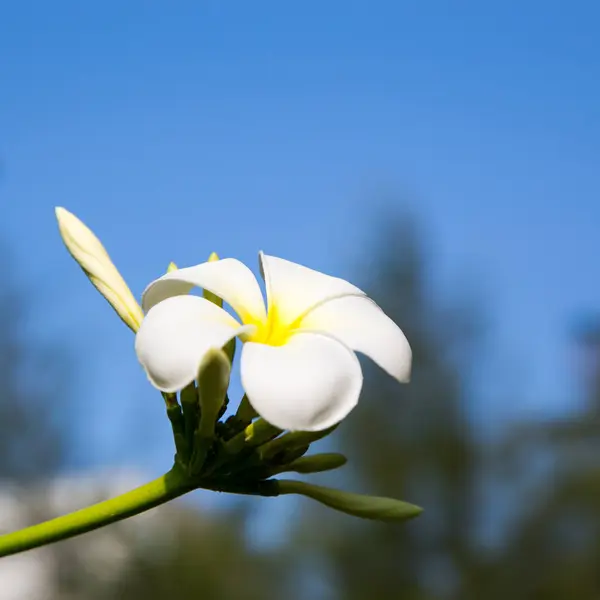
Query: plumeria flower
column 299, row 369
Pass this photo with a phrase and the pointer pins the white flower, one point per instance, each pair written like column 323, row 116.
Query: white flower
column 298, row 365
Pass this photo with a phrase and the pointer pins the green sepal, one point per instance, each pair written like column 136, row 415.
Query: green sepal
column 191, row 411
column 178, row 426
column 245, row 412
column 229, row 349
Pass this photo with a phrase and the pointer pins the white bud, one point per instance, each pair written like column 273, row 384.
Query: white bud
column 91, row 256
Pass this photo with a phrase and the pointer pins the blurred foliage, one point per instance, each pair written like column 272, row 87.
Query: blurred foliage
column 413, row 442
column 541, row 483
column 187, row 554
column 205, row 558
column 553, row 547
column 34, row 391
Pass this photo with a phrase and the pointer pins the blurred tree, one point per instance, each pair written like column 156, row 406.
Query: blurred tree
column 413, row 442
column 33, row 395
column 417, row 442
column 175, row 552
column 553, row 550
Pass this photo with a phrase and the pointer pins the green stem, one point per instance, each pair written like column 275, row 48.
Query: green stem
column 161, row 490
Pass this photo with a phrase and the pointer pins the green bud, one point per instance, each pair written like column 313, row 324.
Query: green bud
column 293, row 439
column 254, row 435
column 259, row 432
column 287, row 456
column 213, row 381
column 316, row 463
column 357, row 505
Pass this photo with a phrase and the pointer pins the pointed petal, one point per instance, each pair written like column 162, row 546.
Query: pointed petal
column 176, row 334
column 294, row 289
column 309, row 383
column 227, row 278
column 363, row 326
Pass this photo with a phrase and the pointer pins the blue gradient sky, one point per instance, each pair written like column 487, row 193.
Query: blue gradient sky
column 176, row 129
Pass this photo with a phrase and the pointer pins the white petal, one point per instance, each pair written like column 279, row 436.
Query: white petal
column 308, row 384
column 175, row 335
column 294, row 289
column 227, row 278
column 363, row 326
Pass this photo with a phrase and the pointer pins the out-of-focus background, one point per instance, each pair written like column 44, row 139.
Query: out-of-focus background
column 443, row 156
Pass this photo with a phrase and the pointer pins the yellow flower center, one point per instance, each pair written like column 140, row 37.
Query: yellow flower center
column 273, row 331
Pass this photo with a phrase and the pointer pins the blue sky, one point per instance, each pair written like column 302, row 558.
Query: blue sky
column 176, row 129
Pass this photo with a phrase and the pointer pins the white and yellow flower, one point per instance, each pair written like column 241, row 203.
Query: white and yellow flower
column 298, row 366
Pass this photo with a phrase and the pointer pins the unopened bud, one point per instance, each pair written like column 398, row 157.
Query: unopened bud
column 213, row 381
column 91, row 256
column 365, row 507
column 293, row 439
column 317, row 463
column 257, row 433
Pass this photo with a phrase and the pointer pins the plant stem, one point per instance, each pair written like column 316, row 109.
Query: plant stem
column 161, row 490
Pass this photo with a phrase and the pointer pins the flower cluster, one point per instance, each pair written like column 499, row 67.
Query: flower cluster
column 299, row 370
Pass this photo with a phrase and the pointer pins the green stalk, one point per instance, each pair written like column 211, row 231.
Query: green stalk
column 161, row 490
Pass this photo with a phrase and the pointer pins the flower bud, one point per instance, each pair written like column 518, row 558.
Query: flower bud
column 213, row 381
column 91, row 256
column 365, row 507
column 288, row 456
column 257, row 433
column 293, row 439
column 316, row 463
